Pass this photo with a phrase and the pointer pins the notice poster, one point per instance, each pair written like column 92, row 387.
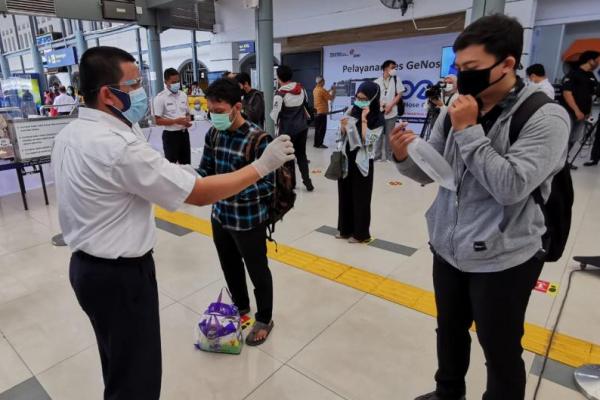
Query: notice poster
column 33, row 139
column 419, row 63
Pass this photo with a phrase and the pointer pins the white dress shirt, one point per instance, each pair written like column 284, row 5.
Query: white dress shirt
column 171, row 105
column 388, row 92
column 65, row 101
column 107, row 177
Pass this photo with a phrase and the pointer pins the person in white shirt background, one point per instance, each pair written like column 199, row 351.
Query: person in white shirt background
column 171, row 111
column 196, row 90
column 107, row 179
column 63, row 102
column 391, row 89
column 537, row 76
column 450, row 90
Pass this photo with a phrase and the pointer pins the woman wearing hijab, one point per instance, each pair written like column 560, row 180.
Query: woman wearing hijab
column 359, row 131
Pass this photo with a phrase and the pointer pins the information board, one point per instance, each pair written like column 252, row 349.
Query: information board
column 33, row 139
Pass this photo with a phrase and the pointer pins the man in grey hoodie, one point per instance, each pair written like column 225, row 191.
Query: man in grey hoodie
column 487, row 235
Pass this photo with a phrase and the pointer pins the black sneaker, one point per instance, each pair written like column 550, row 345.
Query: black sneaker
column 309, row 186
column 433, row 396
column 574, row 168
column 590, row 163
column 322, row 147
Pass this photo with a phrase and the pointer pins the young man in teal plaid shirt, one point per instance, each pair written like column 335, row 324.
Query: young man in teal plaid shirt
column 240, row 222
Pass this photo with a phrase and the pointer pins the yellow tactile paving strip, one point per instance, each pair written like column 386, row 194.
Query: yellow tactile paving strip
column 565, row 349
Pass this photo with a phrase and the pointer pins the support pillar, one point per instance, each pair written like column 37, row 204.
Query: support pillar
column 138, row 42
column 80, row 42
column 156, row 72
column 194, row 56
column 36, row 57
column 264, row 59
column 4, row 66
column 482, row 8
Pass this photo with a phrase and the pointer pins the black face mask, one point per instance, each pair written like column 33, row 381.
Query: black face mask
column 475, row 81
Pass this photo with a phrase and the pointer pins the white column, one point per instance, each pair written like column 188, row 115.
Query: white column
column 524, row 11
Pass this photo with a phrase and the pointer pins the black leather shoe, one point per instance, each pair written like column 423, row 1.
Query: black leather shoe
column 590, row 163
column 309, row 186
column 433, row 396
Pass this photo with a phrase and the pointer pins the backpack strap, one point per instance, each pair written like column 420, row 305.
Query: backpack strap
column 525, row 111
column 447, row 125
column 254, row 140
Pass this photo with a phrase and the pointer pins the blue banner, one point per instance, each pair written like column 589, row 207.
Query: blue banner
column 61, row 57
column 247, row 47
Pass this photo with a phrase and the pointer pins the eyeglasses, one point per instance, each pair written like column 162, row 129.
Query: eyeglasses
column 133, row 83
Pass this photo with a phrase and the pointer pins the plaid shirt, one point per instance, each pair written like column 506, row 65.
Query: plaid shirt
column 224, row 152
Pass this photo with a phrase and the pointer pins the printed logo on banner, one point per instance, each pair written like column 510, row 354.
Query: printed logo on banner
column 350, row 53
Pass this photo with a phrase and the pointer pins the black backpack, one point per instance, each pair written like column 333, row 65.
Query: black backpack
column 401, row 106
column 558, row 209
column 284, row 196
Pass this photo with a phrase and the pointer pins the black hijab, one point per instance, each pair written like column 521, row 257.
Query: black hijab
column 375, row 119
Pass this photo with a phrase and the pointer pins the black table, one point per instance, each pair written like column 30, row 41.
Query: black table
column 21, row 168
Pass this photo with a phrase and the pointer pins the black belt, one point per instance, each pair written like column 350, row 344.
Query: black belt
column 117, row 261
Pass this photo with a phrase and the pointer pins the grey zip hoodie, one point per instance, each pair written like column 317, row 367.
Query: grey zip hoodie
column 492, row 222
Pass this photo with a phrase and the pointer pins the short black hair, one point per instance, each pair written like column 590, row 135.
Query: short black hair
column 387, row 63
column 100, row 66
column 243, row 77
column 284, row 73
column 501, row 36
column 169, row 72
column 536, row 69
column 587, row 56
column 224, row 89
column 195, row 83
column 62, row 89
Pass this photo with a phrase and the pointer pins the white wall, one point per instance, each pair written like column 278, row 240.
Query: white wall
column 551, row 12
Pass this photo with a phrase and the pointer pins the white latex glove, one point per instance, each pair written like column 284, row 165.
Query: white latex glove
column 277, row 153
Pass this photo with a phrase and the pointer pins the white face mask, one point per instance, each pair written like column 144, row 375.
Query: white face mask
column 449, row 87
column 392, row 72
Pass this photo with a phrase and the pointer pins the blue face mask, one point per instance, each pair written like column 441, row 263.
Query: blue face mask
column 362, row 103
column 221, row 122
column 175, row 87
column 135, row 104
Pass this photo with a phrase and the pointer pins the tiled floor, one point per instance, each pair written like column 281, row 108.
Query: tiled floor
column 331, row 342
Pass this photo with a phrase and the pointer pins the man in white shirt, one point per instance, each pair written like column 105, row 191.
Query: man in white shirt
column 171, row 111
column 537, row 75
column 63, row 102
column 107, row 179
column 391, row 89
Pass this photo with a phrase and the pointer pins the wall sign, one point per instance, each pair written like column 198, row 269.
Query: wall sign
column 33, row 139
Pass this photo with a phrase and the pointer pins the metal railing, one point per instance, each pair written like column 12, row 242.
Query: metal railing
column 74, row 107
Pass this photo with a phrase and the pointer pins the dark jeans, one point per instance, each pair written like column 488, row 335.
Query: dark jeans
column 299, row 142
column 250, row 247
column 496, row 302
column 120, row 298
column 354, row 196
column 577, row 132
column 176, row 145
column 595, row 156
column 320, row 129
